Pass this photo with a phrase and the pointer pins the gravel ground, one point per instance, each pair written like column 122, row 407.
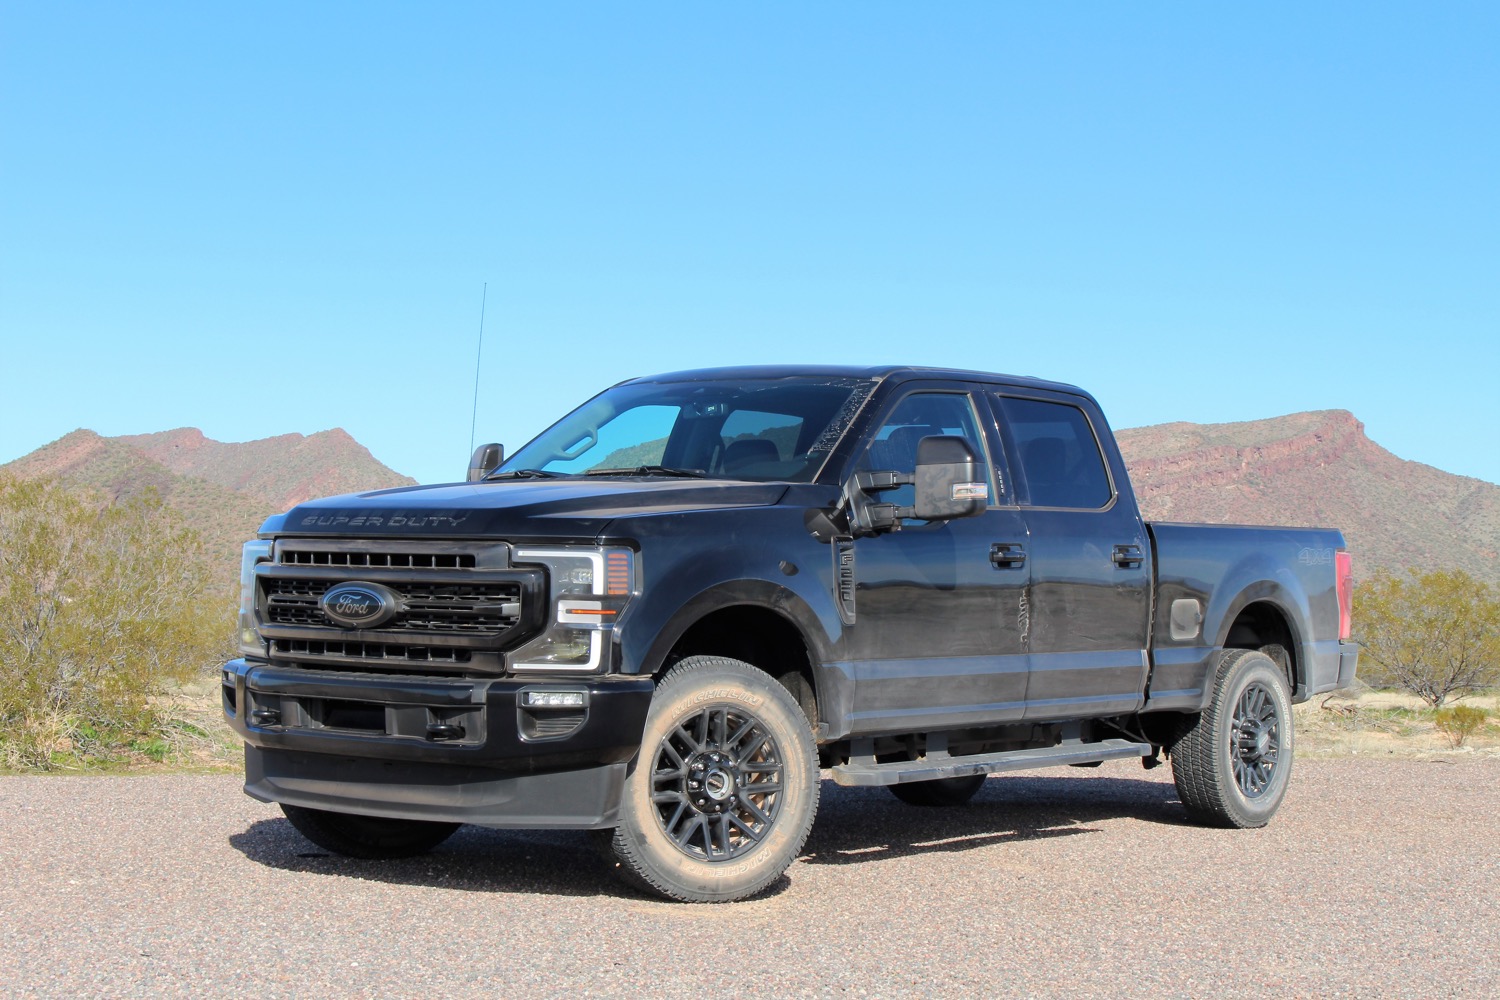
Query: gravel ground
column 1379, row 878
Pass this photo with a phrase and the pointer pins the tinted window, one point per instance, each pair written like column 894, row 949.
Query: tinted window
column 922, row 414
column 1057, row 452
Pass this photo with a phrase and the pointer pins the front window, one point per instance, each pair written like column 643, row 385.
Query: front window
column 771, row 430
column 917, row 416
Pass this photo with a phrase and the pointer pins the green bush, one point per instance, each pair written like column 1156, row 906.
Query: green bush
column 1459, row 722
column 103, row 607
column 1435, row 634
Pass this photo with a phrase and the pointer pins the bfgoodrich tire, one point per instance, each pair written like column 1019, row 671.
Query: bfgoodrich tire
column 373, row 837
column 725, row 788
column 1233, row 766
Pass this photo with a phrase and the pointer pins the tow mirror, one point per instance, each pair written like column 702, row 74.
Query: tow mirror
column 486, row 459
column 949, row 482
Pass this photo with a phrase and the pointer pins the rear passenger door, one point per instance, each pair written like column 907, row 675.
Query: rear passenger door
column 1090, row 596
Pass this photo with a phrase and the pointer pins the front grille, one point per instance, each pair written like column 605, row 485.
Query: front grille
column 453, row 607
column 460, row 608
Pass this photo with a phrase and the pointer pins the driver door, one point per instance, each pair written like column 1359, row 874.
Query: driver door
column 938, row 637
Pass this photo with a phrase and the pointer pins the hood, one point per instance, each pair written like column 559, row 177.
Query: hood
column 573, row 508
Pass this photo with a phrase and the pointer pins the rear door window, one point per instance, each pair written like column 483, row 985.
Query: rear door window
column 1057, row 452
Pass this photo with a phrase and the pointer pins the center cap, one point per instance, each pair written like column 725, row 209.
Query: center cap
column 1262, row 743
column 718, row 784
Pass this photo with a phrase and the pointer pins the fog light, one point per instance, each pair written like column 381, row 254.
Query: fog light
column 555, row 699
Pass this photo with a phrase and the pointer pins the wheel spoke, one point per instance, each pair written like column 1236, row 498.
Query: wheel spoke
column 670, row 751
column 682, row 807
column 661, row 777
column 685, row 834
column 749, row 831
column 754, row 810
column 750, row 749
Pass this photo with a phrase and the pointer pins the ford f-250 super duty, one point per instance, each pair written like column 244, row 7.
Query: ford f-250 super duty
column 664, row 615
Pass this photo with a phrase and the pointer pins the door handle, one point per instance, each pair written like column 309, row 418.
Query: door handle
column 1007, row 555
column 1128, row 556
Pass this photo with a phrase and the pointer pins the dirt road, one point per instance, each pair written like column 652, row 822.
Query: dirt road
column 1379, row 878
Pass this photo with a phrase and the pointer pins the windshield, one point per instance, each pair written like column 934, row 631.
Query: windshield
column 777, row 430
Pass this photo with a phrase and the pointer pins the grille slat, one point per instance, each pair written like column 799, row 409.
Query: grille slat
column 378, row 560
column 369, row 651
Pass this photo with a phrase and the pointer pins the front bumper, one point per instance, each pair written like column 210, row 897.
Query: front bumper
column 451, row 749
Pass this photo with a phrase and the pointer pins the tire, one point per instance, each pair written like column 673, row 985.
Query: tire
column 1233, row 765
column 371, row 837
column 939, row 791
column 725, row 789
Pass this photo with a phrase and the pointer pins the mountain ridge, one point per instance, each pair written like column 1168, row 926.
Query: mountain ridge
column 1315, row 468
column 223, row 489
column 1318, row 468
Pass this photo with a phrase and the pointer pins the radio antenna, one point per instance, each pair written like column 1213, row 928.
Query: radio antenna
column 474, row 419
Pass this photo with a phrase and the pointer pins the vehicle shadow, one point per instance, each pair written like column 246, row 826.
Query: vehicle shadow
column 854, row 826
column 857, row 825
column 474, row 859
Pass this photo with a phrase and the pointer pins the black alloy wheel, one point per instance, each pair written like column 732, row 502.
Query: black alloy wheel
column 717, row 783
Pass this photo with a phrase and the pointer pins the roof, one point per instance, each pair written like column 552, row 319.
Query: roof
column 877, row 372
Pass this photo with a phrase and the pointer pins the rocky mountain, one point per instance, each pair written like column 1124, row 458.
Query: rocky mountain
column 224, row 490
column 1320, row 469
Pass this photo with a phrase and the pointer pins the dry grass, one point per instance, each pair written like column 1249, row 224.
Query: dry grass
column 1374, row 723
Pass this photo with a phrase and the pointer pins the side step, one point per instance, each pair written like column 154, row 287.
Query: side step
column 864, row 771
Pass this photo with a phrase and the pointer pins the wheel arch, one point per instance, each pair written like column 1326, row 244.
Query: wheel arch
column 760, row 623
column 1264, row 616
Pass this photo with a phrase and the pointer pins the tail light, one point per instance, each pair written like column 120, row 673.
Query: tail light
column 1343, row 565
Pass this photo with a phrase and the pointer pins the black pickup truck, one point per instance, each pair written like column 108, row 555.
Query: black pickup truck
column 666, row 614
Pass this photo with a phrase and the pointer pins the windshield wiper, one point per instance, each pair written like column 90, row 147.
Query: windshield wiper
column 648, row 470
column 521, row 474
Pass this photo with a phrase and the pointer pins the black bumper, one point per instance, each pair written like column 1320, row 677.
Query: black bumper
column 453, row 749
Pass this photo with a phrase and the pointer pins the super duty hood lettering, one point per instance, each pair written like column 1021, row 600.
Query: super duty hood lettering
column 411, row 519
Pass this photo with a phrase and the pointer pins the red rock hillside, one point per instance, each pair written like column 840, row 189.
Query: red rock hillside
column 1318, row 468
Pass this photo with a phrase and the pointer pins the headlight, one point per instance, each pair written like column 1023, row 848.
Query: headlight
column 255, row 552
column 589, row 591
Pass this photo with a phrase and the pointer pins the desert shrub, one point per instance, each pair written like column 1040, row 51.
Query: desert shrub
column 1434, row 634
column 1458, row 723
column 103, row 606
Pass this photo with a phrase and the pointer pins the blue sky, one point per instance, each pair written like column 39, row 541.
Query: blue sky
column 258, row 219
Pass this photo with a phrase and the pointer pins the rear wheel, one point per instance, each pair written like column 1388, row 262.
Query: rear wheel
column 1233, row 766
column 725, row 788
column 939, row 791
column 374, row 837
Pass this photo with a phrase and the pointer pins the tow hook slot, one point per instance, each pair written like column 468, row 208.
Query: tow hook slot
column 266, row 717
column 442, row 731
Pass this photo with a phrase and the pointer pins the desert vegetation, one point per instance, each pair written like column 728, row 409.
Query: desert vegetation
column 106, row 610
column 1435, row 634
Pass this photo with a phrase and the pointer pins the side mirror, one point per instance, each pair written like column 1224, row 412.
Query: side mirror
column 948, row 480
column 486, row 459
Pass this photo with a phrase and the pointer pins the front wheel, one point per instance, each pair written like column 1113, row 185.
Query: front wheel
column 1233, row 766
column 371, row 837
column 725, row 788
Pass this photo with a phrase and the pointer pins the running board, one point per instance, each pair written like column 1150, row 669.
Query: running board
column 867, row 772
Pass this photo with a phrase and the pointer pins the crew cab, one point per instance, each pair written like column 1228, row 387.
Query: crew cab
column 669, row 614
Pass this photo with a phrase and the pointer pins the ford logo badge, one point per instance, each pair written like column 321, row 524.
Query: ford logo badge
column 359, row 605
